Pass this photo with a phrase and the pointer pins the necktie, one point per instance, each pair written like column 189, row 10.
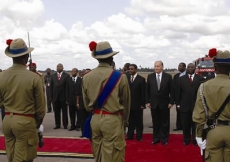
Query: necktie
column 158, row 81
column 190, row 79
column 59, row 76
column 131, row 79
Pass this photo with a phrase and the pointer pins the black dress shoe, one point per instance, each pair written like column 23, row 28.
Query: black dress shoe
column 57, row 127
column 186, row 143
column 177, row 129
column 139, row 139
column 65, row 127
column 194, row 143
column 165, row 143
column 128, row 138
column 155, row 142
column 71, row 129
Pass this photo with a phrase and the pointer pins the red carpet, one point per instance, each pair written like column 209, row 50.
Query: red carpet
column 135, row 151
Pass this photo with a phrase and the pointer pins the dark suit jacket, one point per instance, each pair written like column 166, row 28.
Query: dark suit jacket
column 73, row 89
column 162, row 97
column 187, row 92
column 137, row 90
column 58, row 88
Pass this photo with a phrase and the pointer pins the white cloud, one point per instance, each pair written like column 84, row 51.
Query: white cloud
column 169, row 30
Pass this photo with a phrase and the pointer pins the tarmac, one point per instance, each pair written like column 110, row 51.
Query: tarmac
column 49, row 124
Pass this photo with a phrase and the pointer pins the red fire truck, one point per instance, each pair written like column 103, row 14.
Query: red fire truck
column 204, row 66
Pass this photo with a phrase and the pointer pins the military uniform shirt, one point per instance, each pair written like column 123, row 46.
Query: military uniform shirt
column 215, row 92
column 21, row 91
column 95, row 80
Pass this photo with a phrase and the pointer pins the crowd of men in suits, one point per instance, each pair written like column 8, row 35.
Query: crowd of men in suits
column 159, row 93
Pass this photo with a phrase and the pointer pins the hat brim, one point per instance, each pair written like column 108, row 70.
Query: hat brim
column 221, row 61
column 17, row 55
column 104, row 56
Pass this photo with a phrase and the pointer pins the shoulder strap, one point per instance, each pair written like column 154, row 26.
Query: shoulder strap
column 203, row 100
column 216, row 115
column 108, row 88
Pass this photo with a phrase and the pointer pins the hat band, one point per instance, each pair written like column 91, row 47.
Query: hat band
column 18, row 51
column 104, row 52
column 216, row 60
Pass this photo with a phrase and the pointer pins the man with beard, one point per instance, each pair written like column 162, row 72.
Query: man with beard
column 73, row 92
column 182, row 72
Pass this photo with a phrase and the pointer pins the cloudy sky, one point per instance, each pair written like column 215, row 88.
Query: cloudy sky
column 142, row 30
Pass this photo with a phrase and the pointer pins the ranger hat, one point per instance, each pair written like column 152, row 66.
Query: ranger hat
column 220, row 57
column 17, row 47
column 101, row 50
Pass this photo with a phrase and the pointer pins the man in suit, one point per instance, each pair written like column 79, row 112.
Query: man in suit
column 47, row 80
column 73, row 89
column 58, row 96
column 188, row 86
column 160, row 100
column 137, row 87
column 182, row 72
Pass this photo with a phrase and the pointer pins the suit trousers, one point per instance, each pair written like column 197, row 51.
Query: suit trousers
column 49, row 103
column 58, row 106
column 135, row 122
column 160, row 119
column 72, row 115
column 218, row 144
column 79, row 118
column 108, row 139
column 188, row 126
column 2, row 112
column 84, row 115
column 21, row 138
column 178, row 119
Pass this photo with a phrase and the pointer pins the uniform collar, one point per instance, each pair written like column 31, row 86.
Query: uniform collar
column 222, row 76
column 102, row 64
column 19, row 66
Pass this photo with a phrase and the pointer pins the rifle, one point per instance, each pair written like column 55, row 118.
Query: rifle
column 30, row 60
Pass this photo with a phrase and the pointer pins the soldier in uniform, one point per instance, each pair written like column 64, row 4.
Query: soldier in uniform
column 215, row 91
column 107, row 124
column 33, row 68
column 23, row 97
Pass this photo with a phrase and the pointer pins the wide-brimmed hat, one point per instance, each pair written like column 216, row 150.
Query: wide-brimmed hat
column 220, row 57
column 17, row 47
column 101, row 50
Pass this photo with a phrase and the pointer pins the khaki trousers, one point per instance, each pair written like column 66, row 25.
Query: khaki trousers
column 218, row 144
column 108, row 139
column 21, row 138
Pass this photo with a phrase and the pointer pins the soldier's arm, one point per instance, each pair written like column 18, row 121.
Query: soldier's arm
column 40, row 105
column 199, row 115
column 125, row 97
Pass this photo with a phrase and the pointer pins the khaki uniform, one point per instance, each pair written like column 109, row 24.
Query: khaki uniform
column 108, row 141
column 218, row 139
column 22, row 94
